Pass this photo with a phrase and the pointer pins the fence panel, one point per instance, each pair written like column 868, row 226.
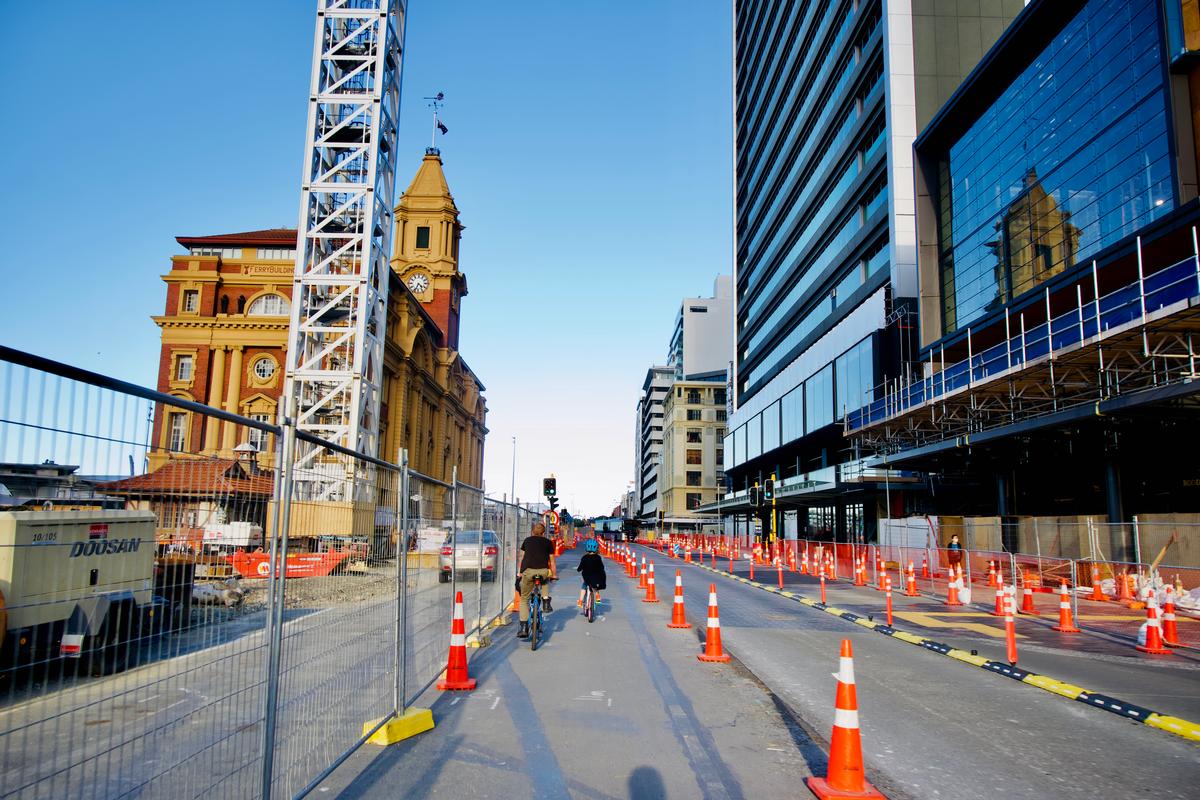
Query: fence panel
column 165, row 696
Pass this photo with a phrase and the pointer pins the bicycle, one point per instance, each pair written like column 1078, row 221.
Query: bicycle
column 589, row 603
column 535, row 612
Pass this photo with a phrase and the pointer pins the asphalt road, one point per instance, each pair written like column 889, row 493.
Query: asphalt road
column 620, row 708
column 933, row 727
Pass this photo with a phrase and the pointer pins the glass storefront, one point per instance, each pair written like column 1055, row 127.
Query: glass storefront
column 1073, row 156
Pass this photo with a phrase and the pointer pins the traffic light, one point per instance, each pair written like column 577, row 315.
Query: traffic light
column 768, row 492
column 549, row 487
column 755, row 499
column 553, row 502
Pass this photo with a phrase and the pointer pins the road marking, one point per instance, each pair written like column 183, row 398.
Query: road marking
column 930, row 620
column 495, row 703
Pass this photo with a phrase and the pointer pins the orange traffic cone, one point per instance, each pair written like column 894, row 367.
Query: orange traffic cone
column 712, row 639
column 804, row 561
column 1065, row 623
column 456, row 664
column 1170, row 632
column 650, row 597
column 910, row 589
column 860, row 578
column 642, row 579
column 1027, row 606
column 991, row 574
column 1097, row 593
column 925, row 566
column 515, row 605
column 678, row 618
column 998, row 611
column 845, row 777
column 1124, row 594
column 952, row 590
column 1154, row 643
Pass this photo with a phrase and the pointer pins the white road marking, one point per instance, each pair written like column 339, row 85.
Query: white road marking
column 495, row 703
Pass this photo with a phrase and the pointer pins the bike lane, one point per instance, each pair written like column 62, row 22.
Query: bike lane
column 613, row 709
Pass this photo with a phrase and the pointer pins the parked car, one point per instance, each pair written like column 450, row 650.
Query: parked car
column 471, row 555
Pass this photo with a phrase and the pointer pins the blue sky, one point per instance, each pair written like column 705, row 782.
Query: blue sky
column 589, row 154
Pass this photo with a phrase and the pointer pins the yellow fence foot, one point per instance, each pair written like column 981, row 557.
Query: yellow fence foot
column 412, row 722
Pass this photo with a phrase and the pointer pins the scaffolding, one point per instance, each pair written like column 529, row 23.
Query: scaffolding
column 339, row 301
column 1102, row 353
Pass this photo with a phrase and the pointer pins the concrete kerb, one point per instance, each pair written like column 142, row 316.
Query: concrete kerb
column 1124, row 709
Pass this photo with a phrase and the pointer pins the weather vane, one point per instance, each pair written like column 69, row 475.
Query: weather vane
column 436, row 102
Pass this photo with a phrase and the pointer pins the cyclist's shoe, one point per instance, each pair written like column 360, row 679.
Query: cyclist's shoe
column 579, row 603
column 546, row 605
column 523, row 632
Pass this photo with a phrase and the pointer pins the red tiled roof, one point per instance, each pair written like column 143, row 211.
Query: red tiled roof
column 269, row 236
column 189, row 476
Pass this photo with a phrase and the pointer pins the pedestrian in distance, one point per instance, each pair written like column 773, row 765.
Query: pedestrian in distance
column 591, row 569
column 537, row 560
column 954, row 552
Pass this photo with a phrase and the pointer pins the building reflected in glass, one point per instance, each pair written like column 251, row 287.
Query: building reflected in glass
column 1072, row 156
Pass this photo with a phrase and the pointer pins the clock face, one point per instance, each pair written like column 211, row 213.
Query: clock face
column 418, row 282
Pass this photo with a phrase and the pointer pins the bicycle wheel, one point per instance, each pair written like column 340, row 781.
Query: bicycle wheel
column 590, row 605
column 535, row 625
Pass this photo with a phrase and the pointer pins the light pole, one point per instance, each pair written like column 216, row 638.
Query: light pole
column 513, row 488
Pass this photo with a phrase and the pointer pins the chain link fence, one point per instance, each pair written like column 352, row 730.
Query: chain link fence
column 180, row 621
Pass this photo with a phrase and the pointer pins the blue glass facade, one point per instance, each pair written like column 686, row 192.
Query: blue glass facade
column 1073, row 156
column 811, row 169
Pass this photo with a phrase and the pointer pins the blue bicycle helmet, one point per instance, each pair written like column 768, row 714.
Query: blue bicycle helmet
column 591, row 545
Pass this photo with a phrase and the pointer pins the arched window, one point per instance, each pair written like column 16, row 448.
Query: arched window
column 269, row 305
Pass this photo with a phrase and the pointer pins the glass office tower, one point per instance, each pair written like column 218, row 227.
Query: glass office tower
column 828, row 99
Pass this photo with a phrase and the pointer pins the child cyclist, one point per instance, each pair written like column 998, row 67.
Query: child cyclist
column 591, row 566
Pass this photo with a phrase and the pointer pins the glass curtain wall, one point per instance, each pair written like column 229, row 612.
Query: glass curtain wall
column 1072, row 157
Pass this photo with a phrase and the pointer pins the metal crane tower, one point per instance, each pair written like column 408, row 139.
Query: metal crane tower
column 339, row 298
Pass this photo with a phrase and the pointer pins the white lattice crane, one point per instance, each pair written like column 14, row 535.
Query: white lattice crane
column 339, row 298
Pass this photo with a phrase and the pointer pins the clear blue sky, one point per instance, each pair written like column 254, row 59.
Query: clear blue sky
column 589, row 153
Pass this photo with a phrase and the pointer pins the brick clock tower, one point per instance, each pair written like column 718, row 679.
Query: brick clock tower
column 425, row 255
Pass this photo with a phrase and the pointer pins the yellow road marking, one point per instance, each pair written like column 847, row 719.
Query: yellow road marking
column 932, row 621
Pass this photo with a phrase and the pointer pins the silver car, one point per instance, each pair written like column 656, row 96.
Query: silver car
column 472, row 554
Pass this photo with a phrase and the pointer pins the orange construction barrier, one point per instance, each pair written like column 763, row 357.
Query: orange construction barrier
column 678, row 618
column 887, row 580
column 1154, row 643
column 1170, row 632
column 456, row 665
column 1010, row 626
column 712, row 639
column 650, row 597
column 846, row 775
column 1065, row 623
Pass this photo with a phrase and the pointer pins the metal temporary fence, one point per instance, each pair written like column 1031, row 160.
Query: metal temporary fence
column 154, row 643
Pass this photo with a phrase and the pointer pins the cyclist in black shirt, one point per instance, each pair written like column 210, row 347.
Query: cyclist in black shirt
column 537, row 558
